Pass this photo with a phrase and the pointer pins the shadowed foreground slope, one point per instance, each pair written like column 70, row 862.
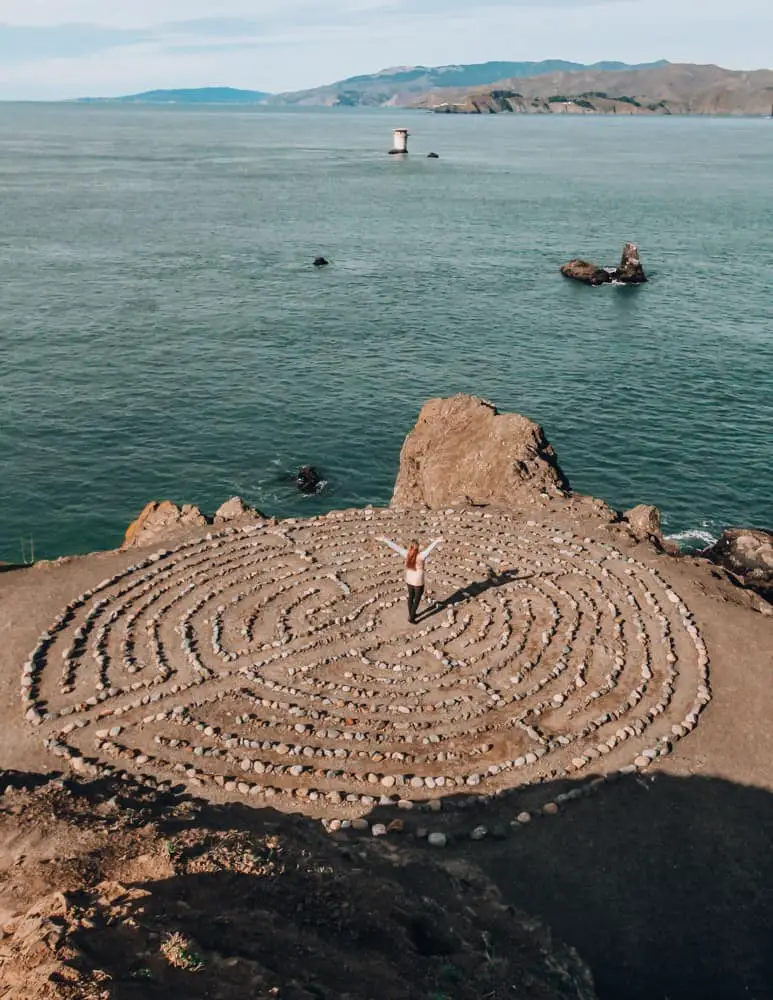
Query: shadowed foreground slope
column 109, row 891
column 664, row 885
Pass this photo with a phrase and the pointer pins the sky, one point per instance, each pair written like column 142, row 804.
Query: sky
column 57, row 49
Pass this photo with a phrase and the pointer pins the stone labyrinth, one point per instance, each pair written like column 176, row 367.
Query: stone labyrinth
column 276, row 662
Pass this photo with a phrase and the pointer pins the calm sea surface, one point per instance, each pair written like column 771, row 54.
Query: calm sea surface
column 162, row 333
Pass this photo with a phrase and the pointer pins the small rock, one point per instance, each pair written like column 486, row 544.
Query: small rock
column 437, row 840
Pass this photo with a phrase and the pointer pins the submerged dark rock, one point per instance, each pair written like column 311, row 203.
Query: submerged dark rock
column 308, row 479
column 321, row 262
column 630, row 271
column 433, row 156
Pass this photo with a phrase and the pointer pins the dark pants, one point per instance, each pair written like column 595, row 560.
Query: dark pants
column 414, row 600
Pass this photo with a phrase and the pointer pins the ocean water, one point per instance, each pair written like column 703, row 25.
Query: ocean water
column 163, row 334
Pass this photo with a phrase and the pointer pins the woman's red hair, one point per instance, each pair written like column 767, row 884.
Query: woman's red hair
column 413, row 555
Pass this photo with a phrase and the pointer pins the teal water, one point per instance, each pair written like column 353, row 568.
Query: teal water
column 162, row 333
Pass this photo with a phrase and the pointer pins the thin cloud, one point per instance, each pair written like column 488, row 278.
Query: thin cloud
column 76, row 40
column 22, row 44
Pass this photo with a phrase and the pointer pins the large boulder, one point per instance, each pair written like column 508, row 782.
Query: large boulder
column 644, row 523
column 463, row 451
column 160, row 521
column 236, row 509
column 748, row 554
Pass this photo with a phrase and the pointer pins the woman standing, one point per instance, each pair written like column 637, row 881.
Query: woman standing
column 414, row 571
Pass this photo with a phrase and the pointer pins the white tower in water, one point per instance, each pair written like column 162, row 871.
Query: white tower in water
column 399, row 140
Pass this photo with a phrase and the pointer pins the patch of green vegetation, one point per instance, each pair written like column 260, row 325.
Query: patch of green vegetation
column 178, row 950
column 628, row 100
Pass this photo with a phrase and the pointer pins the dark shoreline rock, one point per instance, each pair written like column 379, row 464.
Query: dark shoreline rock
column 747, row 554
column 629, row 272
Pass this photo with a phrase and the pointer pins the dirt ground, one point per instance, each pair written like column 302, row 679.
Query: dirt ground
column 660, row 879
column 110, row 893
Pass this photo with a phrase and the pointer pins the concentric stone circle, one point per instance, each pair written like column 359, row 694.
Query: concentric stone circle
column 276, row 662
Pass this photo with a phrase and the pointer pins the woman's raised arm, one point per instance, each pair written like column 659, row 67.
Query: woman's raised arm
column 394, row 546
column 430, row 547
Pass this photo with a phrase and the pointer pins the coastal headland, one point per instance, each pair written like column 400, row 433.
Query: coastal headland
column 566, row 666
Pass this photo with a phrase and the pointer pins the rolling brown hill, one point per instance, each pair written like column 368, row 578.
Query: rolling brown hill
column 672, row 89
column 398, row 86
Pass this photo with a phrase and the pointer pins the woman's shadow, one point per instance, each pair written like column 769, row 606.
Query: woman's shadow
column 473, row 590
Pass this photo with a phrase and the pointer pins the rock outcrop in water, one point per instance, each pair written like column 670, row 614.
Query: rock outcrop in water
column 747, row 553
column 463, row 451
column 629, row 272
column 308, row 479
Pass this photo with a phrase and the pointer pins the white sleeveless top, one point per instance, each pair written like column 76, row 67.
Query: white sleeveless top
column 413, row 577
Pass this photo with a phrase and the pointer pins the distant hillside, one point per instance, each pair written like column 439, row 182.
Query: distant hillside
column 669, row 89
column 202, row 95
column 399, row 86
